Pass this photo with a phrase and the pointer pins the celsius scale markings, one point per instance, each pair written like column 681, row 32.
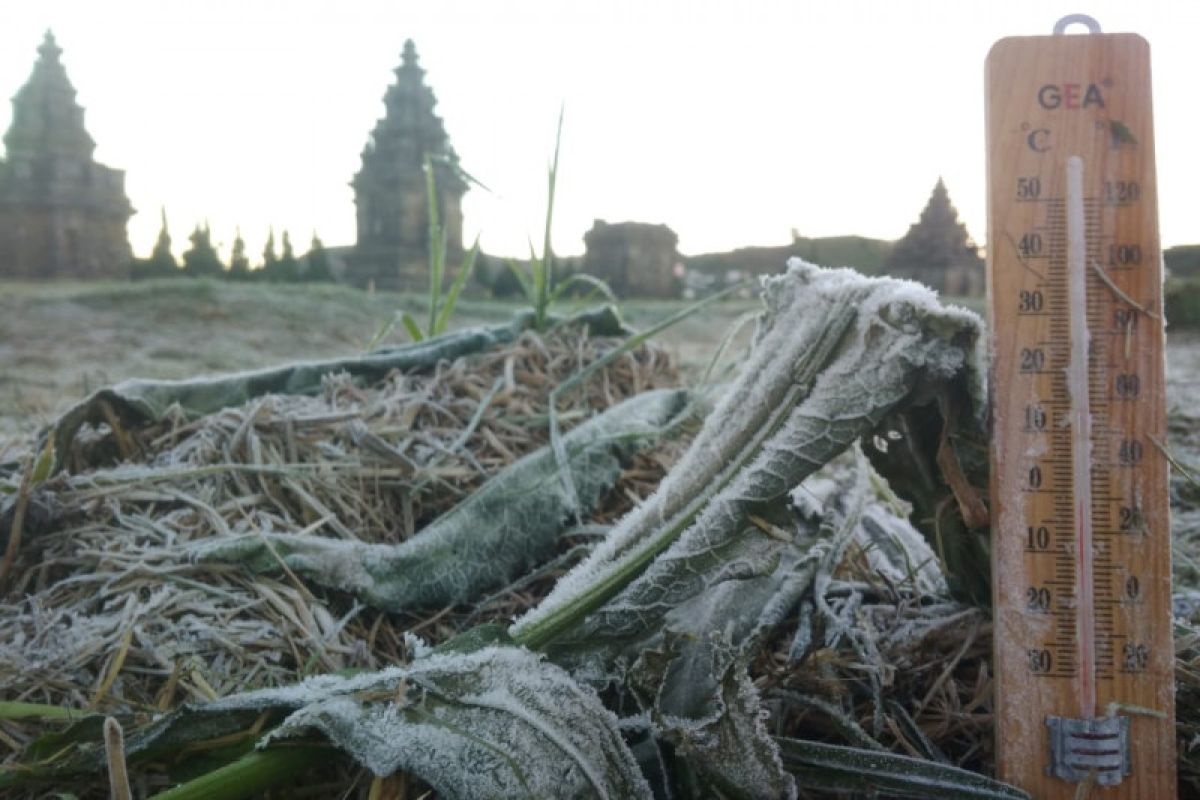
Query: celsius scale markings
column 1081, row 540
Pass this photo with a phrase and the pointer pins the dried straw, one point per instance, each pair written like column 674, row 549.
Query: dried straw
column 103, row 612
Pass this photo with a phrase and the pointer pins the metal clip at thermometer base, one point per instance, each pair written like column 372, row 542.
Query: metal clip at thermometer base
column 1084, row 656
column 1080, row 748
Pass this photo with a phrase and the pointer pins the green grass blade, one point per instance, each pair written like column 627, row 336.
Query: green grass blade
column 460, row 281
column 16, row 710
column 736, row 328
column 826, row 766
column 410, row 325
column 453, row 165
column 43, row 468
column 597, row 285
column 537, row 278
column 437, row 246
column 381, row 334
column 522, row 278
column 542, row 305
column 249, row 775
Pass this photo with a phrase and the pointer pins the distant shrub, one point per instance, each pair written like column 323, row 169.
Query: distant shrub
column 1182, row 301
column 1183, row 261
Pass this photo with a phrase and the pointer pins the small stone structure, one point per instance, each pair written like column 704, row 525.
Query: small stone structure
column 61, row 213
column 937, row 250
column 635, row 259
column 392, row 246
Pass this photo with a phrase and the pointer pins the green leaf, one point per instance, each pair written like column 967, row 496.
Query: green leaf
column 708, row 708
column 410, row 325
column 43, row 468
column 140, row 401
column 851, row 769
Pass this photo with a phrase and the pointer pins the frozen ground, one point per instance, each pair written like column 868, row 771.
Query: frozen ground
column 58, row 342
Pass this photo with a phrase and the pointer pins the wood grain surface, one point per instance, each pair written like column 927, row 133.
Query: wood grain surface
column 1050, row 98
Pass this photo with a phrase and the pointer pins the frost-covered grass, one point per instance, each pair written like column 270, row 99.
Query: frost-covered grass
column 61, row 341
column 768, row 596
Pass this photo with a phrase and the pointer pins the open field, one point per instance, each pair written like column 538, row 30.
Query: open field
column 59, row 342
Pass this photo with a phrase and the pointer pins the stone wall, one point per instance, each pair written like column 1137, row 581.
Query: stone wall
column 634, row 258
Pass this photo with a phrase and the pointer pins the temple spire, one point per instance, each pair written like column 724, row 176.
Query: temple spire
column 937, row 250
column 49, row 50
column 46, row 119
column 408, row 59
column 61, row 213
column 390, row 190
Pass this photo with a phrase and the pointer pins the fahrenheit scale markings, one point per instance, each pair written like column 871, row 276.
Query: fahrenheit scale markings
column 1081, row 548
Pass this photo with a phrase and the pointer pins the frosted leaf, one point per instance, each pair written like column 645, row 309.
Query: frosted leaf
column 508, row 525
column 706, row 603
column 713, row 717
column 835, row 352
column 496, row 722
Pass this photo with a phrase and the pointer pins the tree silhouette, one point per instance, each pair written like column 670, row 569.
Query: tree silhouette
column 201, row 259
column 287, row 269
column 161, row 263
column 316, row 261
column 270, row 260
column 239, row 265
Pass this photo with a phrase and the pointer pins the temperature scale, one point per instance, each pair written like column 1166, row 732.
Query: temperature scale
column 1084, row 654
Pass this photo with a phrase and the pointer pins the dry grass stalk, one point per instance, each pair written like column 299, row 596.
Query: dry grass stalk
column 105, row 613
column 114, row 753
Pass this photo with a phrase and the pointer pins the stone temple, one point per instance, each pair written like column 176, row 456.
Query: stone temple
column 937, row 250
column 61, row 213
column 392, row 246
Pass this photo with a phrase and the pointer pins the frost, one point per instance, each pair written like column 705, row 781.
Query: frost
column 834, row 353
column 704, row 607
column 509, row 524
column 718, row 724
column 496, row 722
column 137, row 401
column 748, row 530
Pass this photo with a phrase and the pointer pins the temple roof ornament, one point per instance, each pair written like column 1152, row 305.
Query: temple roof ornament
column 409, row 132
column 46, row 119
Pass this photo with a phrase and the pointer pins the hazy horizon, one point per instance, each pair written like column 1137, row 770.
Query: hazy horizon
column 732, row 124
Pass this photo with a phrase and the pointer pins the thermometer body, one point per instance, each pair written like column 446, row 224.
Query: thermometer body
column 1084, row 653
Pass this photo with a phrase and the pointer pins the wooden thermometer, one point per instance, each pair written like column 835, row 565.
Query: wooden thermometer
column 1081, row 535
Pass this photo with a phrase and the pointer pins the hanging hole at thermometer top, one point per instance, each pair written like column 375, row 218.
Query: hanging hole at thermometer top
column 1090, row 23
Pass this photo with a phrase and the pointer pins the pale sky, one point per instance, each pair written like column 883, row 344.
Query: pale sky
column 731, row 122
